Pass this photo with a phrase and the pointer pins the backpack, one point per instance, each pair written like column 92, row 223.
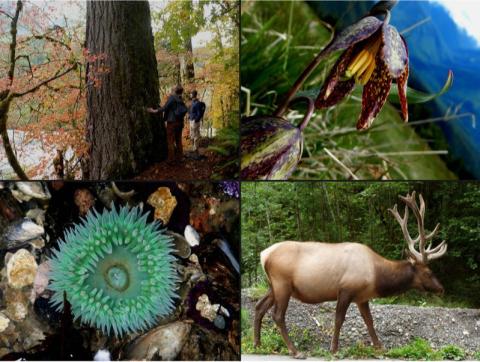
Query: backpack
column 202, row 108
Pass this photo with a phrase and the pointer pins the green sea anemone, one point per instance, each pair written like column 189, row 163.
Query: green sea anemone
column 117, row 271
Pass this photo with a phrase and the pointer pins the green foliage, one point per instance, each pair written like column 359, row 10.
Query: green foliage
column 477, row 355
column 245, row 320
column 272, row 342
column 336, row 212
column 418, row 349
column 259, row 289
column 226, row 144
column 271, row 61
column 359, row 351
column 452, row 352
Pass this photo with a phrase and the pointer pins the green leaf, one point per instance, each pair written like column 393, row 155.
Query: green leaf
column 415, row 97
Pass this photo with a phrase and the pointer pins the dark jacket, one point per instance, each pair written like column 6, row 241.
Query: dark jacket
column 169, row 107
column 195, row 111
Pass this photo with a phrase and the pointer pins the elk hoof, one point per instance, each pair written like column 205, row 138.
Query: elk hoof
column 298, row 355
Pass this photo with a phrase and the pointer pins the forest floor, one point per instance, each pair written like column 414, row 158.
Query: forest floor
column 198, row 166
column 311, row 326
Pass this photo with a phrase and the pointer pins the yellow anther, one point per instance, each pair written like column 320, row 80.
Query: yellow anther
column 363, row 65
column 367, row 74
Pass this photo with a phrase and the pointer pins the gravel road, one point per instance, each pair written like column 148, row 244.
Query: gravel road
column 396, row 325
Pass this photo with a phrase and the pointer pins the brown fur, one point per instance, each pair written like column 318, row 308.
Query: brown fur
column 314, row 272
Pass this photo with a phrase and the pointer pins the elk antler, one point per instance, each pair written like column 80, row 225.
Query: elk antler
column 422, row 255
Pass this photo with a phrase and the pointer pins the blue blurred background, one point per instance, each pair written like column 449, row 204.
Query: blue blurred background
column 441, row 35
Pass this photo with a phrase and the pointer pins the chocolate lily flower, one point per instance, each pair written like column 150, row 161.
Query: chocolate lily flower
column 375, row 55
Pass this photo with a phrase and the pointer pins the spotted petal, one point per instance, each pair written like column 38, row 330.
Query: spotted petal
column 375, row 94
column 352, row 34
column 394, row 51
column 333, row 91
column 402, row 88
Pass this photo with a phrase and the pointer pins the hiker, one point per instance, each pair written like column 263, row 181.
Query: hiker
column 174, row 114
column 195, row 113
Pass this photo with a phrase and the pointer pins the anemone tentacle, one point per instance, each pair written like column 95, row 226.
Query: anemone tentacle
column 117, row 270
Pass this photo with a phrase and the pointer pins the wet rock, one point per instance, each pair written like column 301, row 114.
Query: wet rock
column 206, row 309
column 164, row 203
column 182, row 249
column 4, row 322
column 210, row 214
column 192, row 236
column 40, row 282
column 206, row 345
column 36, row 214
column 126, row 196
column 219, row 322
column 225, row 247
column 21, row 231
column 21, row 269
column 102, row 355
column 84, row 200
column 163, row 343
column 25, row 191
column 17, row 304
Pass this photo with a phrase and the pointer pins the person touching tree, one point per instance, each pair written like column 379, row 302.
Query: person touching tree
column 174, row 115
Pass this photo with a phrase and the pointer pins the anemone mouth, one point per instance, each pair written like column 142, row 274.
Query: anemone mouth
column 117, row 277
column 117, row 271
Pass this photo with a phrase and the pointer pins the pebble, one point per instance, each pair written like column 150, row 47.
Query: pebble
column 40, row 282
column 32, row 190
column 22, row 231
column 192, row 236
column 182, row 248
column 206, row 309
column 102, row 355
column 164, row 203
column 164, row 343
column 219, row 322
column 4, row 322
column 21, row 269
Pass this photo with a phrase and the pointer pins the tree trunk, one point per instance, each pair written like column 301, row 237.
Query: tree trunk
column 189, row 75
column 122, row 135
column 12, row 159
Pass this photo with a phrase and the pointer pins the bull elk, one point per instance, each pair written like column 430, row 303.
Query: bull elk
column 315, row 272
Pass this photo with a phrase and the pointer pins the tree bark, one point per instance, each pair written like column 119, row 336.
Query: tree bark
column 189, row 75
column 123, row 137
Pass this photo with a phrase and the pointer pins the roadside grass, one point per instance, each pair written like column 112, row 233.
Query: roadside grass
column 416, row 350
column 271, row 60
column 418, row 299
column 412, row 297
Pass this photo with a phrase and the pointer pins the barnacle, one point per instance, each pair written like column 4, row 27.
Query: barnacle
column 117, row 271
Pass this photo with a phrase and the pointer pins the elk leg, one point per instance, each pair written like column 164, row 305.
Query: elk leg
column 261, row 308
column 281, row 304
column 343, row 301
column 364, row 309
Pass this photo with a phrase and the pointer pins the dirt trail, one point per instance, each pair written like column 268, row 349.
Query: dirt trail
column 193, row 166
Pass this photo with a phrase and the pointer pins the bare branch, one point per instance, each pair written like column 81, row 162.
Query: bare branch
column 45, row 82
column 46, row 37
column 6, row 14
column 13, row 43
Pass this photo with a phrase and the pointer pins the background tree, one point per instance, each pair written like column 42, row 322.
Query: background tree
column 42, row 57
column 179, row 22
column 336, row 212
column 122, row 82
